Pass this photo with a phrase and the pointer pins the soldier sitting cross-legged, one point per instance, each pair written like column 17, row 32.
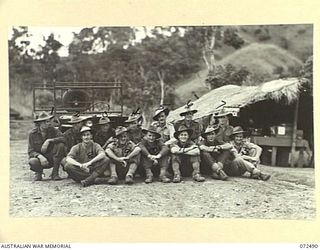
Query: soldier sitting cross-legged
column 87, row 161
column 154, row 155
column 125, row 157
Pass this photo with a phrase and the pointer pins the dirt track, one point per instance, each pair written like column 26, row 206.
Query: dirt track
column 289, row 194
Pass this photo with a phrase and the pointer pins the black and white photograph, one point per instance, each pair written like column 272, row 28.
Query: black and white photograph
column 162, row 121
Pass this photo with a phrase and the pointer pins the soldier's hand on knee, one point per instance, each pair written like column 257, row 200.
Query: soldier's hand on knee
column 158, row 156
column 85, row 168
column 43, row 161
column 123, row 161
column 86, row 165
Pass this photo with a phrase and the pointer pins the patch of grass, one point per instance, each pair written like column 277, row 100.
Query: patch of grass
column 263, row 59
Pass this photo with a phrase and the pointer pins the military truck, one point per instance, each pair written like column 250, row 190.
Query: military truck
column 87, row 99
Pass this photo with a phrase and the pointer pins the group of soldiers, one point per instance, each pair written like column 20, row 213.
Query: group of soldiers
column 169, row 151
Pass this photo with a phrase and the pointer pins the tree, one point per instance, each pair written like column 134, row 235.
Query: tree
column 49, row 58
column 224, row 75
column 210, row 38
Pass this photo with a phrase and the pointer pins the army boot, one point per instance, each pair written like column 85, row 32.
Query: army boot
column 264, row 177
column 55, row 174
column 197, row 177
column 149, row 179
column 149, row 176
column 38, row 176
column 176, row 172
column 162, row 177
column 176, row 178
column 196, row 173
column 129, row 179
column 90, row 180
column 113, row 180
column 101, row 180
column 222, row 175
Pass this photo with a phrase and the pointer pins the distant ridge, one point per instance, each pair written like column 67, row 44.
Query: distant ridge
column 260, row 59
column 263, row 59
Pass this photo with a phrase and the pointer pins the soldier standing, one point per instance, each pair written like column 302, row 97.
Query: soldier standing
column 45, row 147
column 225, row 129
column 165, row 129
column 189, row 123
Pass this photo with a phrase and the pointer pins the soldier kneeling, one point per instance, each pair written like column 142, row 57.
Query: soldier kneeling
column 185, row 152
column 87, row 161
column 125, row 157
column 154, row 153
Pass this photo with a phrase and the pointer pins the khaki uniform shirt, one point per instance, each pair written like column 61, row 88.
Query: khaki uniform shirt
column 154, row 148
column 36, row 140
column 84, row 153
column 122, row 150
column 223, row 135
column 166, row 132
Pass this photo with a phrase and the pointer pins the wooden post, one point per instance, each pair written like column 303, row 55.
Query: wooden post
column 294, row 131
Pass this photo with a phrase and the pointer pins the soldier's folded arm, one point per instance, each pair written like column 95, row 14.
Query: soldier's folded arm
column 58, row 137
column 72, row 161
column 226, row 146
column 247, row 157
column 143, row 148
column 72, row 156
column 101, row 155
column 205, row 148
column 134, row 152
column 108, row 142
column 112, row 155
column 175, row 149
column 234, row 152
column 193, row 150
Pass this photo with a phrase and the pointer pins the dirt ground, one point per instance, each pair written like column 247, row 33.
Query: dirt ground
column 289, row 194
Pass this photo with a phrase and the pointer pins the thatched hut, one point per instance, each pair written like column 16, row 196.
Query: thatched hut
column 261, row 107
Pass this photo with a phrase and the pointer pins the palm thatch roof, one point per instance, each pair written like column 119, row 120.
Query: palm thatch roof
column 242, row 96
